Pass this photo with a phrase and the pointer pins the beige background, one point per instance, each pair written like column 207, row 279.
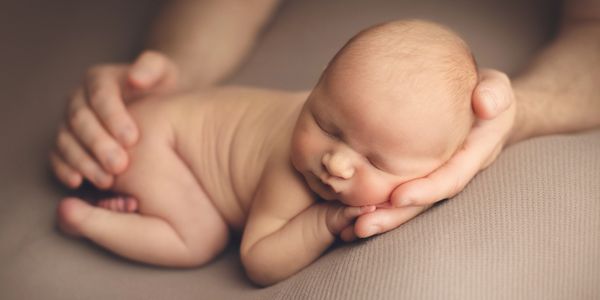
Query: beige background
column 528, row 227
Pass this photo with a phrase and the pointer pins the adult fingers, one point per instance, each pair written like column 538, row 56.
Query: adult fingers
column 69, row 150
column 104, row 94
column 455, row 174
column 383, row 220
column 492, row 95
column 350, row 213
column 86, row 128
column 152, row 69
column 67, row 175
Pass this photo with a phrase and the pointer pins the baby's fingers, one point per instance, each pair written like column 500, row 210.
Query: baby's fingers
column 351, row 212
column 384, row 220
column 340, row 217
column 347, row 234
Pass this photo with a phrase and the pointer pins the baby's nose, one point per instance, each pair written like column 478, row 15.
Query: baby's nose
column 339, row 165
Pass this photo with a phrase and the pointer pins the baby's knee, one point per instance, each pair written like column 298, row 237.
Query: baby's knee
column 205, row 248
column 201, row 245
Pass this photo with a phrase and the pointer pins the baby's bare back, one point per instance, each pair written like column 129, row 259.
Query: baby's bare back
column 210, row 146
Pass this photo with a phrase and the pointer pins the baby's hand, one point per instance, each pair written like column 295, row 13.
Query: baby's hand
column 340, row 218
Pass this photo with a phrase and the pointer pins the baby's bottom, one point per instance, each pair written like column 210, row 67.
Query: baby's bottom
column 177, row 224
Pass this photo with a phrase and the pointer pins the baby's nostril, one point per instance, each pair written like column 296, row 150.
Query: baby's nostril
column 325, row 162
column 326, row 158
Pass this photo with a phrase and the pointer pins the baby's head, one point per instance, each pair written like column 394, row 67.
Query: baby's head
column 394, row 104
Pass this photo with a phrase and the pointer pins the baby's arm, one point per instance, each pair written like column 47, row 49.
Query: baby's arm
column 286, row 228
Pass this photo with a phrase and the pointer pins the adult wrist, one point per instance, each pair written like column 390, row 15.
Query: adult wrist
column 525, row 120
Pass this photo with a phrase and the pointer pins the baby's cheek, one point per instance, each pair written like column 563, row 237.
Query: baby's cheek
column 301, row 146
column 370, row 190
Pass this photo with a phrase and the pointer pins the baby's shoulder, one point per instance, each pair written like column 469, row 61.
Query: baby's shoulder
column 282, row 185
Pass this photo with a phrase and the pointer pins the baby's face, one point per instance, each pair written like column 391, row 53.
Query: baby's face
column 356, row 142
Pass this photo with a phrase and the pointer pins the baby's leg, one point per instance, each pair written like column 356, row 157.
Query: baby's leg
column 177, row 224
column 143, row 238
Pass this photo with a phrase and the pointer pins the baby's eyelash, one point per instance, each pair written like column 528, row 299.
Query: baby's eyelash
column 372, row 162
column 323, row 129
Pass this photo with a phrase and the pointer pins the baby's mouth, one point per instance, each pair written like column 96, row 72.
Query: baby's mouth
column 322, row 182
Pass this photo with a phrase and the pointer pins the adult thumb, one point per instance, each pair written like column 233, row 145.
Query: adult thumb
column 150, row 70
column 492, row 95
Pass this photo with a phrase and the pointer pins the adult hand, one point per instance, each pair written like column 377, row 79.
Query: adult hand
column 493, row 104
column 91, row 141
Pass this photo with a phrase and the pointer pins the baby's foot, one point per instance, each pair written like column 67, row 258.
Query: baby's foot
column 124, row 204
column 72, row 212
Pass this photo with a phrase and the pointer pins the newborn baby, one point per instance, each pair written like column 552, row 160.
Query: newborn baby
column 393, row 105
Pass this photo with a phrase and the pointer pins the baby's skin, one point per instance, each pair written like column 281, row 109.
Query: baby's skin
column 290, row 170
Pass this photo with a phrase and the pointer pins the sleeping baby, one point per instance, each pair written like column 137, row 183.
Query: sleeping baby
column 291, row 171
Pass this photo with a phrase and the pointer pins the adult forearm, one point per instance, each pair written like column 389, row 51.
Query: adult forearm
column 209, row 39
column 559, row 92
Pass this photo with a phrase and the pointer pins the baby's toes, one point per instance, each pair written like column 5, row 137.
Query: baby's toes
column 124, row 204
column 131, row 204
column 115, row 203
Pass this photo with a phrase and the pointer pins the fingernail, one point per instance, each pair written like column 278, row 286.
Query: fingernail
column 75, row 180
column 371, row 230
column 404, row 202
column 141, row 74
column 127, row 135
column 490, row 98
column 114, row 160
column 101, row 179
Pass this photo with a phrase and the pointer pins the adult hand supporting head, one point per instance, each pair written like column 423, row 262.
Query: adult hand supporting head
column 494, row 105
column 92, row 140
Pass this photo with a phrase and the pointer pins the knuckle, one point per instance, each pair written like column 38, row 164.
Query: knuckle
column 116, row 120
column 87, row 167
column 73, row 102
column 77, row 116
column 456, row 186
column 99, row 97
column 72, row 97
column 62, row 140
column 93, row 71
column 97, row 145
column 504, row 77
column 151, row 54
column 55, row 161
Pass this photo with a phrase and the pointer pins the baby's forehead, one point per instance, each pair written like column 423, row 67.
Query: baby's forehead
column 402, row 53
column 381, row 120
